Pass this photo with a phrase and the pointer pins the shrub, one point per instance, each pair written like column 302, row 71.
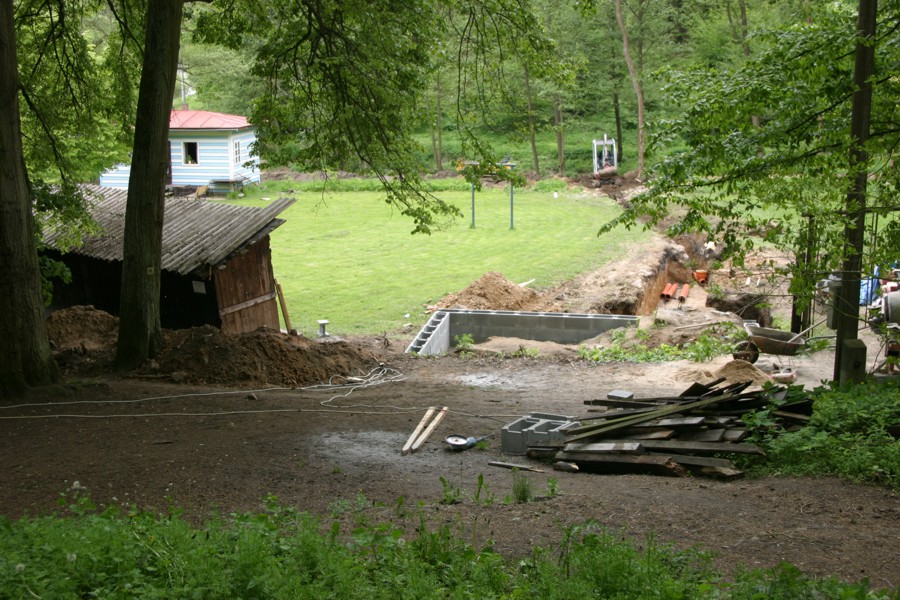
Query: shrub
column 847, row 436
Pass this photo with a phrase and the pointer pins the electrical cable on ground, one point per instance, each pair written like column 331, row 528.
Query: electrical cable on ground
column 397, row 411
column 375, row 377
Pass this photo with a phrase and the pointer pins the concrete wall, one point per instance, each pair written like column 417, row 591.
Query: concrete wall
column 437, row 336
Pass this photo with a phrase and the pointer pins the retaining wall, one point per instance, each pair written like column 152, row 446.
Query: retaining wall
column 437, row 336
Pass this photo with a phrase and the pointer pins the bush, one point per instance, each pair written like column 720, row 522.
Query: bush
column 847, row 436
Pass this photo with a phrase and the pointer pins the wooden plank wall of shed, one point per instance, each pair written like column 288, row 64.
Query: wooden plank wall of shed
column 248, row 276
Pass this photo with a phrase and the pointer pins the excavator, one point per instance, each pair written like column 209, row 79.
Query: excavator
column 606, row 160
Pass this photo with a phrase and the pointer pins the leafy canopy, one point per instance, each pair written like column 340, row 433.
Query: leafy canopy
column 343, row 80
column 786, row 179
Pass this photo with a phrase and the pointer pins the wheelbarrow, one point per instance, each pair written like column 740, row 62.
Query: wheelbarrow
column 769, row 341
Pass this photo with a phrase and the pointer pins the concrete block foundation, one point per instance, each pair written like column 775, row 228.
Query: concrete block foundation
column 437, row 335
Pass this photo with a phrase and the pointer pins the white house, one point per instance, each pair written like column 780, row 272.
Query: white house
column 205, row 148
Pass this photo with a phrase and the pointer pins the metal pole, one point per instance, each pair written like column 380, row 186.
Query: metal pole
column 511, row 223
column 472, row 226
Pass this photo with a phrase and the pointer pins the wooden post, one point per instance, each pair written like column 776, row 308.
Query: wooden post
column 425, row 434
column 284, row 310
column 418, row 430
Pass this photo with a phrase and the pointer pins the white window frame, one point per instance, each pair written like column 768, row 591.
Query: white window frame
column 185, row 153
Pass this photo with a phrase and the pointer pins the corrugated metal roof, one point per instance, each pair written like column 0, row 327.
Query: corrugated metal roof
column 204, row 119
column 196, row 233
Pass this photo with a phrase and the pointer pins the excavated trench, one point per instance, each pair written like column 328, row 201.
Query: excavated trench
column 622, row 306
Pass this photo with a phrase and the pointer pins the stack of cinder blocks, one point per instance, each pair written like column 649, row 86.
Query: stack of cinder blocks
column 534, row 430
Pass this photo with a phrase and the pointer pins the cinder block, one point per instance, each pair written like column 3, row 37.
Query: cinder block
column 853, row 362
column 620, row 395
column 533, row 430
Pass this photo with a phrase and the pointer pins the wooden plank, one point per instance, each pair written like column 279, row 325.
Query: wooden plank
column 593, row 430
column 616, row 413
column 247, row 304
column 506, row 465
column 719, row 420
column 606, row 447
column 735, row 435
column 434, row 423
column 733, row 390
column 541, row 453
column 677, row 422
column 284, row 310
column 701, row 447
column 415, row 434
column 722, row 472
column 636, row 434
column 689, row 460
column 698, row 389
column 658, row 460
column 792, row 416
column 703, row 435
column 566, row 467
column 622, row 403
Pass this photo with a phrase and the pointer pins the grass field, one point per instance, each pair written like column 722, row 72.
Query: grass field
column 347, row 257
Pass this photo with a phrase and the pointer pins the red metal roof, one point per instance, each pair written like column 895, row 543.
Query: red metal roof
column 204, row 119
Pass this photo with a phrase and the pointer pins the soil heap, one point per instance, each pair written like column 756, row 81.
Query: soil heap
column 493, row 291
column 84, row 340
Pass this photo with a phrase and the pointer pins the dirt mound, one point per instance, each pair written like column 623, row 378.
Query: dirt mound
column 734, row 371
column 513, row 346
column 206, row 355
column 82, row 328
column 84, row 340
column 493, row 291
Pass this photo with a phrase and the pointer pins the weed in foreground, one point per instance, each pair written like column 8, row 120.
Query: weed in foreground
column 521, row 488
column 281, row 553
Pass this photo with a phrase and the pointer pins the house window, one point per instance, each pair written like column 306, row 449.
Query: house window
column 190, row 153
column 237, row 153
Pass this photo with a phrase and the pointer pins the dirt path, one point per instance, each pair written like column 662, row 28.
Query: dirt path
column 335, row 452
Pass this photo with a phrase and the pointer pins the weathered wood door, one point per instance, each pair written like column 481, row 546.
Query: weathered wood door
column 245, row 289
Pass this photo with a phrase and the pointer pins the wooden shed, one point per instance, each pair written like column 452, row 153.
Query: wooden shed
column 205, row 149
column 216, row 262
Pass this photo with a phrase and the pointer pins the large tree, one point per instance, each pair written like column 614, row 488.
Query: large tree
column 341, row 93
column 59, row 106
column 25, row 349
column 140, row 332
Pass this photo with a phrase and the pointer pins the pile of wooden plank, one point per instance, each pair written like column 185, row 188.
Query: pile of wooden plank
column 695, row 432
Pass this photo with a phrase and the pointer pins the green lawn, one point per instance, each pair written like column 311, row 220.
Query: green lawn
column 347, row 257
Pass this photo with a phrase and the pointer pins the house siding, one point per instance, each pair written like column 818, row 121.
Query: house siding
column 216, row 159
column 238, row 170
column 212, row 158
column 116, row 177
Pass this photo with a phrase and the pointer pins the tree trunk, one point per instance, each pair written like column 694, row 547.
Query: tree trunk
column 25, row 358
column 638, row 88
column 433, row 145
column 439, row 125
column 531, row 134
column 620, row 143
column 735, row 35
column 140, row 334
column 847, row 304
column 745, row 48
column 560, row 135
